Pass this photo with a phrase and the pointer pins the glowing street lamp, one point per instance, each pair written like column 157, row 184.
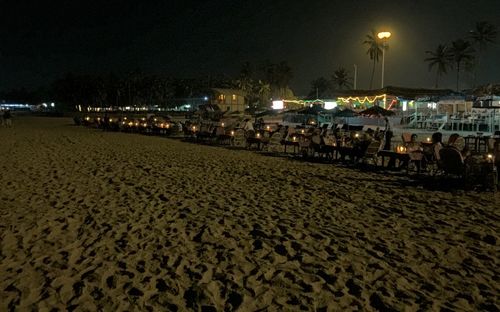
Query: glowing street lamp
column 384, row 35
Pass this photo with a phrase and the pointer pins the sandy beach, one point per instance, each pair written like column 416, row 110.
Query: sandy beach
column 93, row 220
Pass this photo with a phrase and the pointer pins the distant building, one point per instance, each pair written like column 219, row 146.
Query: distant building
column 230, row 99
column 15, row 106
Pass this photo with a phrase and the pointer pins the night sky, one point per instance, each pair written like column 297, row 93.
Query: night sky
column 42, row 40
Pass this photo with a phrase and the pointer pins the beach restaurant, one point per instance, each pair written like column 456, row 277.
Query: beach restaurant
column 391, row 98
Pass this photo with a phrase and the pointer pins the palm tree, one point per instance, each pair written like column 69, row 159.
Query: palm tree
column 374, row 50
column 245, row 80
column 439, row 58
column 461, row 52
column 341, row 79
column 284, row 75
column 483, row 35
column 263, row 89
column 319, row 87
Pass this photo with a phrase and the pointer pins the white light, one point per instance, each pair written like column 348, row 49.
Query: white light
column 383, row 35
column 330, row 105
column 52, row 104
column 278, row 105
column 405, row 106
column 206, row 98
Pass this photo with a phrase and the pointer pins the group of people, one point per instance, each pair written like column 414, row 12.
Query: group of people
column 7, row 118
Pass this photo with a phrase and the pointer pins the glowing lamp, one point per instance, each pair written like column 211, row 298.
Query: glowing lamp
column 155, row 119
column 278, row 104
column 144, row 124
column 110, row 119
column 124, row 118
column 222, row 124
column 302, row 131
column 87, row 118
column 356, row 135
column 330, row 105
column 294, row 139
column 258, row 135
column 268, row 128
column 428, row 140
column 384, row 35
column 401, row 149
column 232, row 132
column 167, row 126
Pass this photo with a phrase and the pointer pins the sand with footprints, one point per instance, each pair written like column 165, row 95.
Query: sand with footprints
column 93, row 220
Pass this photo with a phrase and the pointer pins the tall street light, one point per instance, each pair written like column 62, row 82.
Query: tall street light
column 384, row 35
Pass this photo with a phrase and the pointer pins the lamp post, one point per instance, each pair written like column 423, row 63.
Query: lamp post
column 355, row 75
column 384, row 35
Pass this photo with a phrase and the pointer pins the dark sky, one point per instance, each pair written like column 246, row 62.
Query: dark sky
column 42, row 40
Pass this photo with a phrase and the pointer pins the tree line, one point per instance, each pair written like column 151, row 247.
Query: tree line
column 461, row 54
column 137, row 88
column 259, row 82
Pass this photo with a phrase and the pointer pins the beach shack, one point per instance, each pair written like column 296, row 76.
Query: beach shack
column 231, row 100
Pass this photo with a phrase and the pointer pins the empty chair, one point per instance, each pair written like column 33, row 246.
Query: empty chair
column 239, row 138
column 371, row 153
column 221, row 136
column 274, row 144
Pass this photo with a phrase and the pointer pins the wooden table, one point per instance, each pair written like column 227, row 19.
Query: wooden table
column 295, row 145
column 403, row 159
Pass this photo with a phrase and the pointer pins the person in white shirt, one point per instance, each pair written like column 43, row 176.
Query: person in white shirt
column 248, row 125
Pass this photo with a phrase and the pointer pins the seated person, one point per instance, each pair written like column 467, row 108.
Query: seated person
column 330, row 140
column 415, row 151
column 431, row 153
column 437, row 144
column 458, row 142
column 413, row 145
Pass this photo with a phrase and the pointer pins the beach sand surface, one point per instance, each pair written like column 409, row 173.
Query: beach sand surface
column 93, row 220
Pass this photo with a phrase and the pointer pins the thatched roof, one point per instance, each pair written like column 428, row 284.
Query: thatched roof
column 230, row 91
column 488, row 89
column 409, row 93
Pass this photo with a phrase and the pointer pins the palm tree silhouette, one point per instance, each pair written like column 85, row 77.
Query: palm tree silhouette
column 439, row 58
column 461, row 51
column 374, row 50
column 319, row 87
column 341, row 79
column 263, row 89
column 284, row 75
column 482, row 36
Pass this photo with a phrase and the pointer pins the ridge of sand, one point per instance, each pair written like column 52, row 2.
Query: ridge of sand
column 111, row 221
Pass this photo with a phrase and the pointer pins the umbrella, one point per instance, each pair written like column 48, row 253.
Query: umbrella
column 376, row 111
column 269, row 112
column 312, row 110
column 345, row 113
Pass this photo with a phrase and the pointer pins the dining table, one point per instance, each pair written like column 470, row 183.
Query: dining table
column 402, row 159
